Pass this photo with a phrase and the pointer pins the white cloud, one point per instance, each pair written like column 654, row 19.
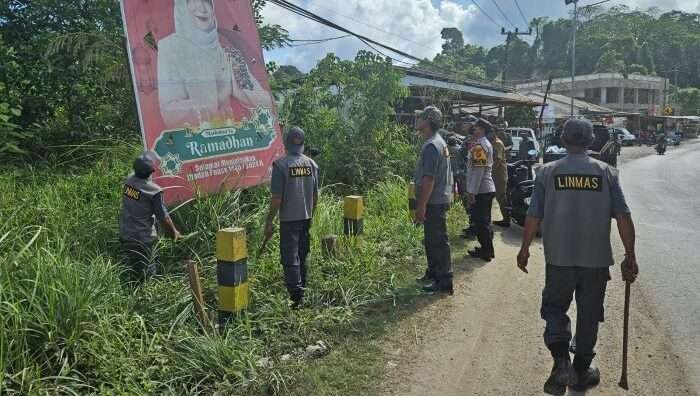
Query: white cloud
column 412, row 26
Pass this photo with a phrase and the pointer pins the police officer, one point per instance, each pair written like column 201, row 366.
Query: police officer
column 574, row 200
column 481, row 189
column 294, row 189
column 142, row 200
column 433, row 180
column 500, row 175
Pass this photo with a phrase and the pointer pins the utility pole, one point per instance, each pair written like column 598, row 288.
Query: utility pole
column 510, row 35
column 574, row 22
column 573, row 47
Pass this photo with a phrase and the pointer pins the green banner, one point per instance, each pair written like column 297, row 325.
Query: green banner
column 180, row 146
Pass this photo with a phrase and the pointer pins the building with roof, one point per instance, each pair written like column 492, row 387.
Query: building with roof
column 632, row 93
column 430, row 88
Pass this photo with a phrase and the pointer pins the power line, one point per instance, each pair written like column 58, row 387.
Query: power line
column 486, row 14
column 373, row 27
column 316, row 18
column 504, row 14
column 520, row 10
column 317, row 41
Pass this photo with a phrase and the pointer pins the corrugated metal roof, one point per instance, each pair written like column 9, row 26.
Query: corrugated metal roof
column 468, row 90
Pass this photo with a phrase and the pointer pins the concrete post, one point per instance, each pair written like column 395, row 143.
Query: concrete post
column 603, row 96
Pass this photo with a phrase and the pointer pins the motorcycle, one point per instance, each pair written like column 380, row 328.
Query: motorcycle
column 660, row 149
column 521, row 183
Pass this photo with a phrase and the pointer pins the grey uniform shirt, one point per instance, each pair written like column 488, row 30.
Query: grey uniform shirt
column 576, row 198
column 479, row 168
column 434, row 161
column 142, row 201
column 295, row 179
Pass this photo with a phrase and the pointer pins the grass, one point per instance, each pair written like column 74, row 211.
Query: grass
column 69, row 326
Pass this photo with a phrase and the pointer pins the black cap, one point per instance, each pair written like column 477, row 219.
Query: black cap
column 488, row 127
column 144, row 164
column 578, row 133
column 294, row 141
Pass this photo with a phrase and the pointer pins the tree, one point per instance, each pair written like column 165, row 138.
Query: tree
column 610, row 62
column 346, row 108
column 520, row 116
column 454, row 41
column 689, row 100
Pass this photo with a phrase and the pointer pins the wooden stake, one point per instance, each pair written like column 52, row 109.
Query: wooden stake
column 196, row 287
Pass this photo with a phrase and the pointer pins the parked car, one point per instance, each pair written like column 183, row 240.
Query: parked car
column 625, row 137
column 522, row 133
column 673, row 139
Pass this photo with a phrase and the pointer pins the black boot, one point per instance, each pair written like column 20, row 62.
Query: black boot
column 562, row 375
column 505, row 223
column 480, row 253
column 440, row 287
column 297, row 298
column 587, row 379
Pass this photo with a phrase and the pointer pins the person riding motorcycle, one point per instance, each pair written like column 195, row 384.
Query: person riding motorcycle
column 661, row 143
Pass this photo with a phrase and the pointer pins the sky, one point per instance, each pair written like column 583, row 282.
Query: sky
column 414, row 26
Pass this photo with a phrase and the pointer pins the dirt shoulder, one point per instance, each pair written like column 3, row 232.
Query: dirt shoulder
column 487, row 338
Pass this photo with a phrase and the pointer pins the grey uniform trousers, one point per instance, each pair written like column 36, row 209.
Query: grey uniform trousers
column 294, row 249
column 141, row 259
column 437, row 245
column 561, row 283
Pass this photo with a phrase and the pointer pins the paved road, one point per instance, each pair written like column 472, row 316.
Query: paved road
column 664, row 194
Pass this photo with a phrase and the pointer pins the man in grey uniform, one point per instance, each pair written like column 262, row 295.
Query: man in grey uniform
column 481, row 189
column 434, row 186
column 142, row 200
column 574, row 201
column 294, row 189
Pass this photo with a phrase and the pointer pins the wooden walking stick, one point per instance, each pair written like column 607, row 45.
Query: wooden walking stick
column 625, row 333
column 196, row 287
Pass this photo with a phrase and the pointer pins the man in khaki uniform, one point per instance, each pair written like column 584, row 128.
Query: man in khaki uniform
column 500, row 176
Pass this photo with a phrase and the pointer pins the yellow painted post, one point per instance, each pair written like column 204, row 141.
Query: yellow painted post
column 231, row 272
column 353, row 212
column 412, row 200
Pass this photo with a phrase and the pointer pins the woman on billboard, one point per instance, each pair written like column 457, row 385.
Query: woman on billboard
column 199, row 80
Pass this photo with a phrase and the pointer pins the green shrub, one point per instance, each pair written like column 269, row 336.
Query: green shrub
column 68, row 325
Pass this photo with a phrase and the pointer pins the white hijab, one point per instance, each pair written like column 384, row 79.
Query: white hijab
column 186, row 29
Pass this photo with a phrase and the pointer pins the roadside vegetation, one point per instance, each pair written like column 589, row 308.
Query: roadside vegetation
column 69, row 324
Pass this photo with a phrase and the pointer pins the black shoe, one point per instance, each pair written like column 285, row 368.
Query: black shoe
column 503, row 223
column 437, row 288
column 469, row 234
column 425, row 279
column 478, row 253
column 297, row 299
column 587, row 379
column 563, row 375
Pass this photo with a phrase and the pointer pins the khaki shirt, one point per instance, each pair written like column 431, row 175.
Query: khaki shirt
column 500, row 159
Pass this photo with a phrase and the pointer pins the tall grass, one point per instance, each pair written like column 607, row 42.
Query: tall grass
column 68, row 325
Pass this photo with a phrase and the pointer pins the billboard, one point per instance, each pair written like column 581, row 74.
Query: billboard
column 204, row 102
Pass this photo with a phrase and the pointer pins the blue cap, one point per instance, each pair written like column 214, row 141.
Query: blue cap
column 294, row 141
column 578, row 133
column 144, row 164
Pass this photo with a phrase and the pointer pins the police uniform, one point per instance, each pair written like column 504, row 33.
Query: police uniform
column 576, row 198
column 500, row 176
column 480, row 184
column 142, row 203
column 434, row 161
column 295, row 180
